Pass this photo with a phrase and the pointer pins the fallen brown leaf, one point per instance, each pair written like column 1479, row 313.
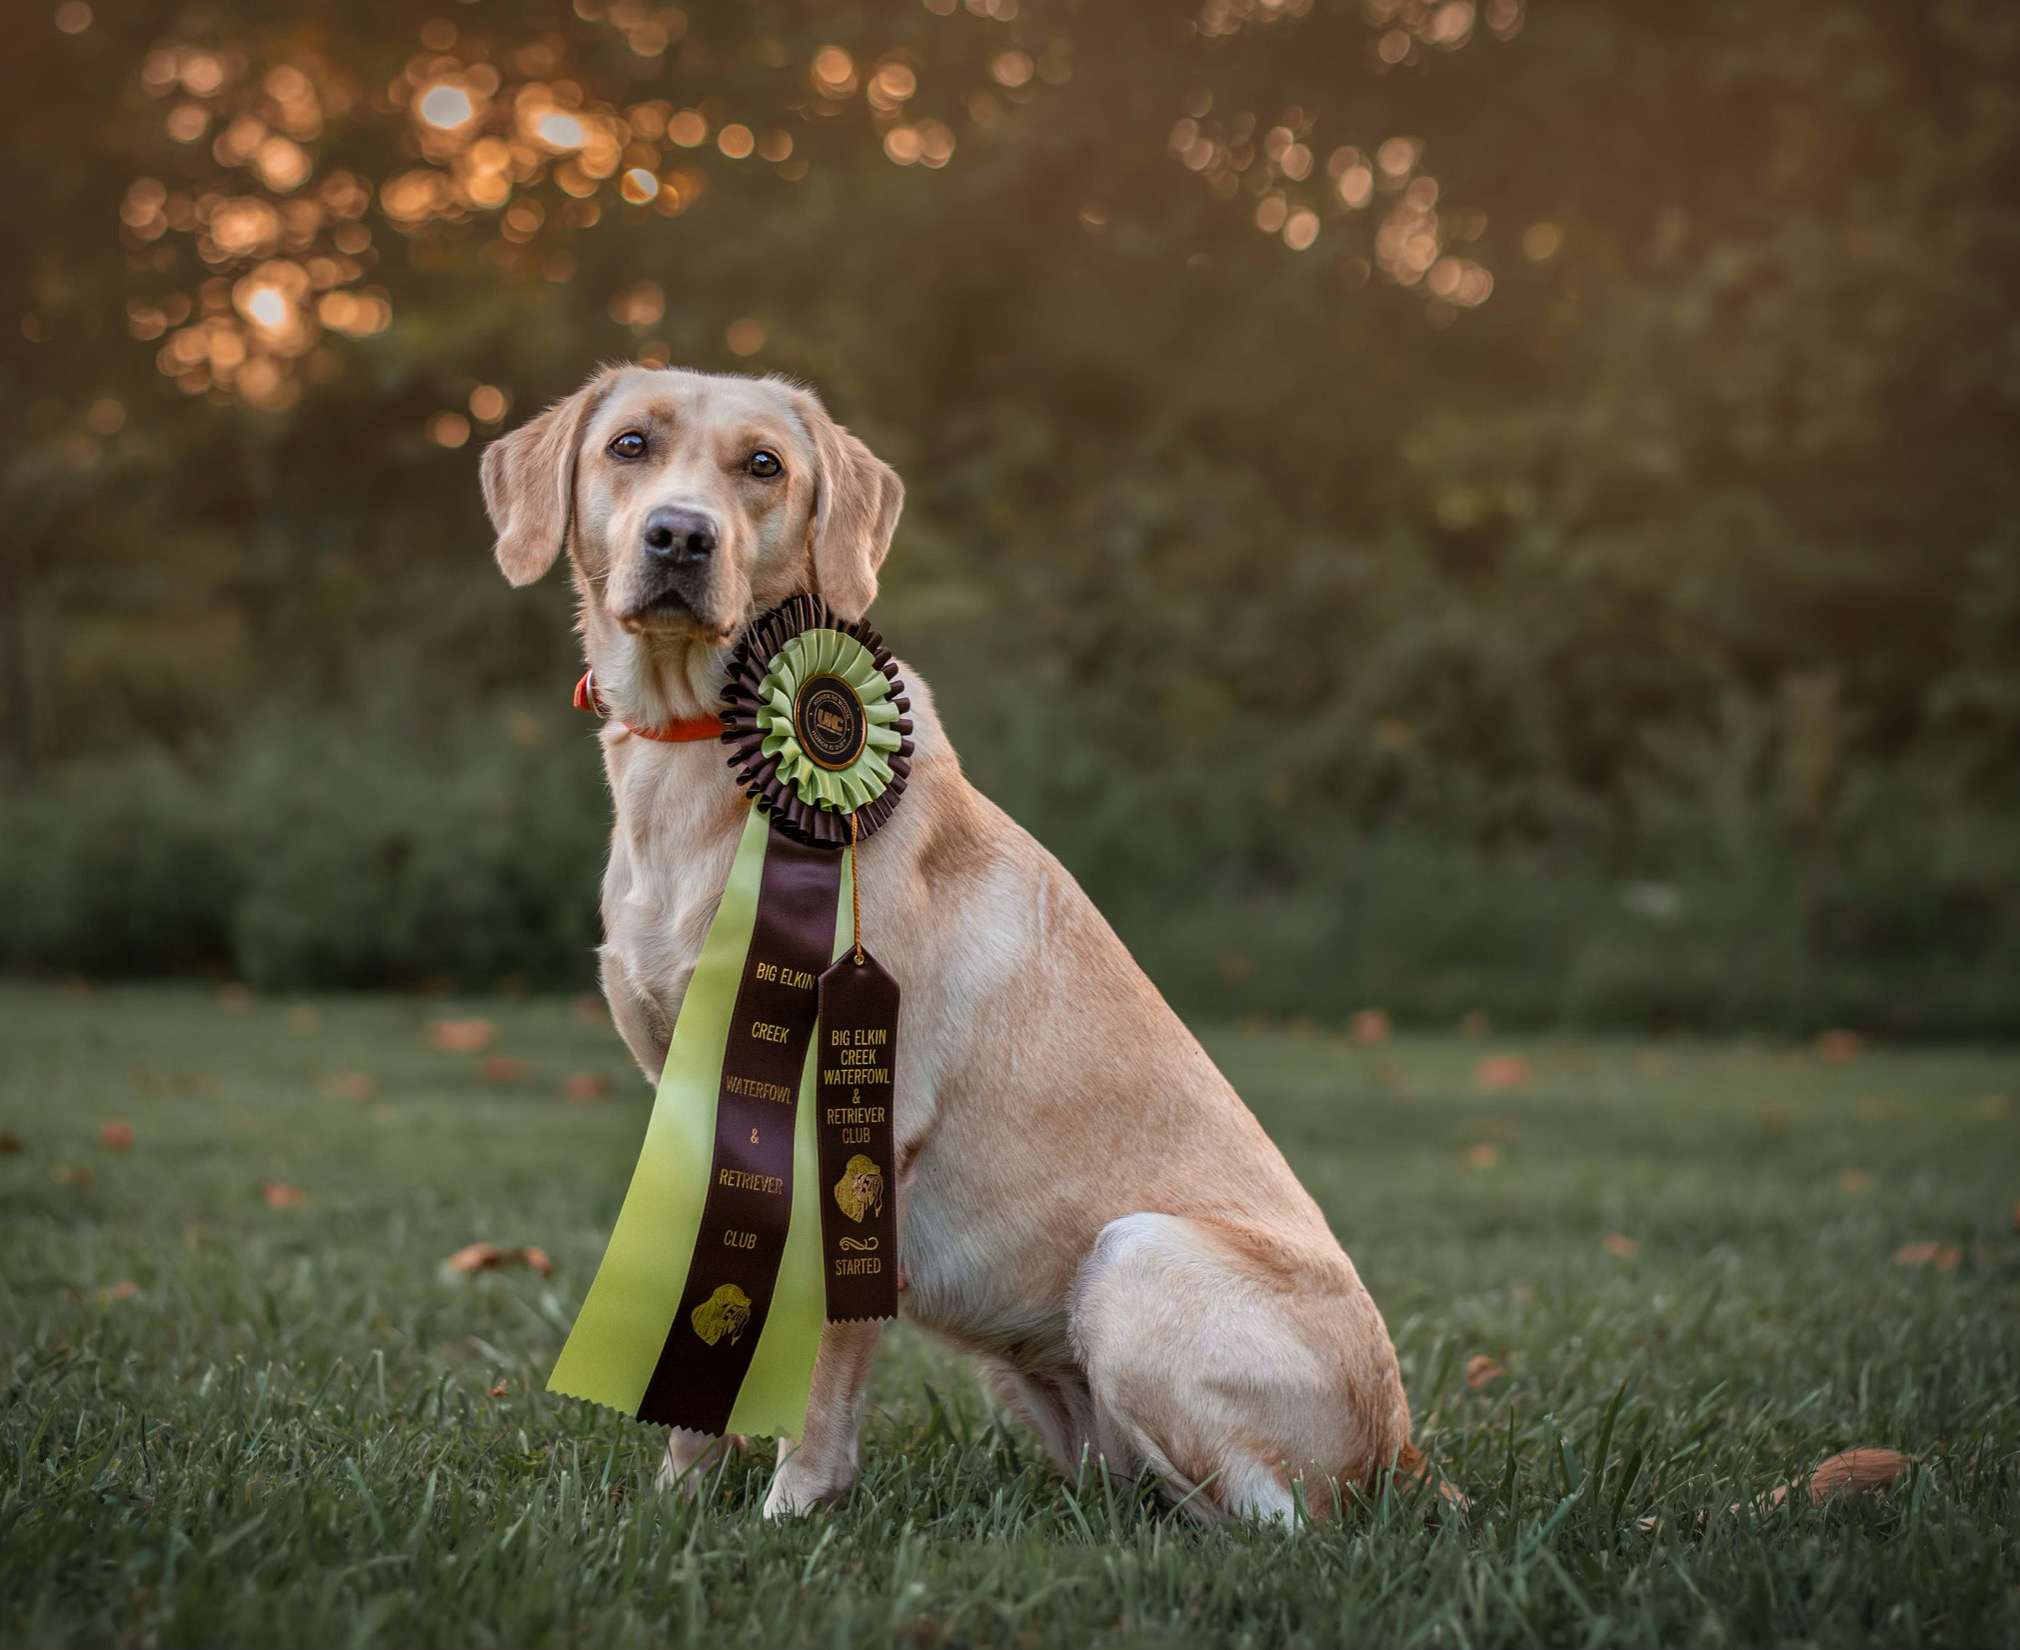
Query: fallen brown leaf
column 280, row 1196
column 462, row 1036
column 10, row 1146
column 1411, row 1467
column 1501, row 1071
column 1369, row 1026
column 64, row 1175
column 124, row 1290
column 348, row 1085
column 1854, row 1180
column 501, row 1068
column 116, row 1137
column 477, row 1257
column 589, row 1009
column 1943, row 1256
column 490, row 1257
column 1618, row 1243
column 1476, row 1024
column 1840, row 1046
column 1853, row 1471
column 235, row 998
column 583, row 1086
column 1482, row 1371
column 1482, row 1156
column 498, row 1391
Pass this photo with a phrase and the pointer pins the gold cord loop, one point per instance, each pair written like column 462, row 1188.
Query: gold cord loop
column 855, row 894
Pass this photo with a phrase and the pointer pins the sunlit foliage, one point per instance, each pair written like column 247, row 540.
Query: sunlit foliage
column 527, row 139
column 1637, row 641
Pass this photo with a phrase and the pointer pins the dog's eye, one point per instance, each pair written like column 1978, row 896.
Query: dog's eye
column 629, row 445
column 764, row 465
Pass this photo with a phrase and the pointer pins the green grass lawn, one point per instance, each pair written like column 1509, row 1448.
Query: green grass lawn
column 231, row 1422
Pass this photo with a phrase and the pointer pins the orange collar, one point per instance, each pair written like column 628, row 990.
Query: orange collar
column 684, row 732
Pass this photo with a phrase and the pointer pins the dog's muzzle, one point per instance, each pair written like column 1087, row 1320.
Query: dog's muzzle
column 679, row 548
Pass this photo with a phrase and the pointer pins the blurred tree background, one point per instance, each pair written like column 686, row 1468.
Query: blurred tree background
column 1424, row 503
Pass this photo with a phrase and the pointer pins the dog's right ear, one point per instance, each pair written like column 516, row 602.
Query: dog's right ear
column 529, row 484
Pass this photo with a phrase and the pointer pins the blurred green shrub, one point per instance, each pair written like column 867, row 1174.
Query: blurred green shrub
column 332, row 854
column 312, row 859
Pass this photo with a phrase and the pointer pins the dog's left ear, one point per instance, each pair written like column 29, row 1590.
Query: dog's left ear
column 529, row 484
column 856, row 504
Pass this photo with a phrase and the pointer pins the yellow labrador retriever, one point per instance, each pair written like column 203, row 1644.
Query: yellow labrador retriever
column 1086, row 1206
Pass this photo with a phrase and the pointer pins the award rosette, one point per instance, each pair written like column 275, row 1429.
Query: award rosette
column 763, row 1202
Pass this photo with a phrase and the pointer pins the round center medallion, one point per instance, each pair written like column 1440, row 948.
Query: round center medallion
column 829, row 720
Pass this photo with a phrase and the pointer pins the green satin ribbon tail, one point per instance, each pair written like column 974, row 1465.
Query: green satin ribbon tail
column 611, row 1352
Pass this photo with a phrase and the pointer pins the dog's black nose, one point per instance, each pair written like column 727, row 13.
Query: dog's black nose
column 679, row 535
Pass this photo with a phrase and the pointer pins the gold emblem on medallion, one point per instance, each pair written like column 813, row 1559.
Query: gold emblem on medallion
column 829, row 721
column 723, row 1313
column 860, row 1191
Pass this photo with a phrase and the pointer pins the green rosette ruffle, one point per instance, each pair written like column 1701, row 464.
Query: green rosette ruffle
column 795, row 644
column 815, row 653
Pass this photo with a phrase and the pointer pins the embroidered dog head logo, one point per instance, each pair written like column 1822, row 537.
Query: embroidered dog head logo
column 860, row 1191
column 723, row 1313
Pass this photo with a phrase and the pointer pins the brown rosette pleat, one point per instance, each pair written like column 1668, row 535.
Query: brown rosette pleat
column 758, row 773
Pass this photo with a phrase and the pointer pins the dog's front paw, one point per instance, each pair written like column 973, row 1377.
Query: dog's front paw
column 803, row 1483
column 691, row 1459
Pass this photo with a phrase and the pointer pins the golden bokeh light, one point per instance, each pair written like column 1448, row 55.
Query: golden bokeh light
column 1012, row 68
column 106, row 416
column 833, row 73
column 929, row 144
column 73, row 16
column 1540, row 242
column 892, row 86
column 560, row 130
column 489, row 404
column 1398, row 156
column 510, row 144
column 639, row 306
column 447, row 106
column 283, row 165
column 187, row 122
column 359, row 314
column 1226, row 17
column 449, row 429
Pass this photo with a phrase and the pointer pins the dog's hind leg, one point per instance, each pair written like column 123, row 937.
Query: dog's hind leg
column 1245, row 1371
column 819, row 1466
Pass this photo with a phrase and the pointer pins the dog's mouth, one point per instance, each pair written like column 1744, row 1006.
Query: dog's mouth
column 669, row 612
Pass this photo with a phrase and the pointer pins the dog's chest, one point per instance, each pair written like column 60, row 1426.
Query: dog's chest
column 675, row 836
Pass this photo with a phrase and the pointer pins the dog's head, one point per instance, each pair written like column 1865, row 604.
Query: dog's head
column 690, row 502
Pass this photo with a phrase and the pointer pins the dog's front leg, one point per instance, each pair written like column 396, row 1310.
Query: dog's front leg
column 639, row 1020
column 820, row 1466
column 692, row 1457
